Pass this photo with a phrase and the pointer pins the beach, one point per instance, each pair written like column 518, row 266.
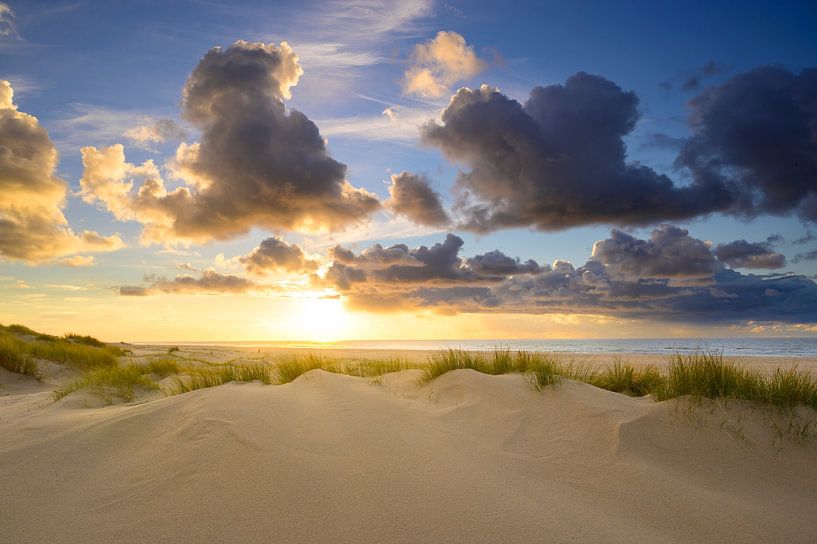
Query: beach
column 468, row 457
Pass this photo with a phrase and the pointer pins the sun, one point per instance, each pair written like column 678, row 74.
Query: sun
column 322, row 319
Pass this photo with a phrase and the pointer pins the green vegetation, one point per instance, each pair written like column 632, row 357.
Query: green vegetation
column 119, row 381
column 15, row 357
column 78, row 356
column 81, row 352
column 544, row 368
column 211, row 376
column 85, row 340
column 163, row 367
column 16, row 328
column 288, row 370
column 708, row 375
column 699, row 375
column 625, row 378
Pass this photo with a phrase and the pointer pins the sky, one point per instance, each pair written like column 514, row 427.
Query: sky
column 366, row 169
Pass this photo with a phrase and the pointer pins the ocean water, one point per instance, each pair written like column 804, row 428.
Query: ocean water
column 768, row 347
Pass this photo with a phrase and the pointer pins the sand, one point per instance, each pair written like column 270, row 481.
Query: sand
column 273, row 354
column 333, row 458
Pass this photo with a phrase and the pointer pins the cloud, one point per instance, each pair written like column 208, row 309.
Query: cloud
column 210, row 282
column 556, row 162
column 413, row 198
column 90, row 124
column 32, row 225
column 671, row 277
column 78, row 261
column 669, row 253
column 155, row 131
column 257, row 165
column 397, row 276
column 438, row 64
column 8, row 24
column 755, row 132
column 805, row 239
column 276, row 255
column 559, row 160
column 743, row 254
column 692, row 79
column 496, row 263
column 395, row 123
column 440, row 263
column 343, row 34
column 807, row 256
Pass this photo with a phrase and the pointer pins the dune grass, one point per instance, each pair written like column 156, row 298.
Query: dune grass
column 202, row 377
column 79, row 356
column 707, row 375
column 289, row 369
column 80, row 352
column 107, row 383
column 85, row 340
column 16, row 328
column 545, row 369
column 627, row 379
column 699, row 375
column 15, row 357
column 163, row 367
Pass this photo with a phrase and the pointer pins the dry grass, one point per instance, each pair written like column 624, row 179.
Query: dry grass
column 162, row 367
column 708, row 375
column 701, row 375
column 108, row 383
column 211, row 376
column 15, row 357
column 288, row 370
column 80, row 352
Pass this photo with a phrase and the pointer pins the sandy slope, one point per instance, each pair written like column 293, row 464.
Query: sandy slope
column 332, row 458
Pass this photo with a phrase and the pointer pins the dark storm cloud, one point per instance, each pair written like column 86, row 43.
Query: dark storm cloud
column 258, row 164
column 413, row 197
column 671, row 276
column 669, row 253
column 497, row 263
column 743, row 254
column 756, row 132
column 440, row 263
column 275, row 254
column 210, row 282
column 268, row 166
column 559, row 160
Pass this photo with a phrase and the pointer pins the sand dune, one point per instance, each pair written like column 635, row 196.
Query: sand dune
column 334, row 458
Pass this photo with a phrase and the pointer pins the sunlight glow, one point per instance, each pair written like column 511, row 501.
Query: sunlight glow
column 321, row 320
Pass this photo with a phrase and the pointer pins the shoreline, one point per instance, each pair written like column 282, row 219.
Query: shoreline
column 273, row 354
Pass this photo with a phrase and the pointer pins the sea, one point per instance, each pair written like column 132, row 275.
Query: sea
column 760, row 347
